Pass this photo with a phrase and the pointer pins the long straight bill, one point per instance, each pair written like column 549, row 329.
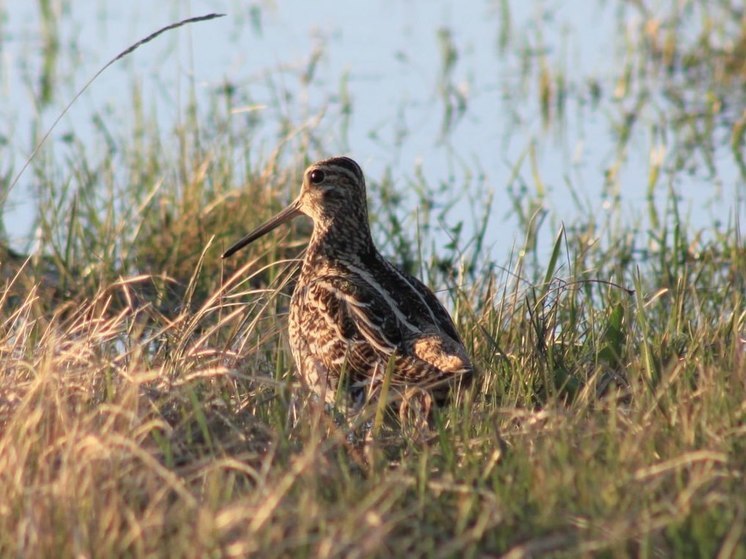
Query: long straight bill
column 293, row 210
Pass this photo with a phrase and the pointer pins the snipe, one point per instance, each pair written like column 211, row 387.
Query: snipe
column 353, row 315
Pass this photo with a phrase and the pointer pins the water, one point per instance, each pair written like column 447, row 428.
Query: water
column 443, row 88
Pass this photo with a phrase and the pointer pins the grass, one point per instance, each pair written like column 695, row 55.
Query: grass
column 148, row 405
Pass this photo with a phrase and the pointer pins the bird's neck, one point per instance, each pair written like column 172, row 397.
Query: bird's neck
column 333, row 241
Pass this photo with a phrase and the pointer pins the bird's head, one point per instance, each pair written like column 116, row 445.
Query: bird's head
column 332, row 194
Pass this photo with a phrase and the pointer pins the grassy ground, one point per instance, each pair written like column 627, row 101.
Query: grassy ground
column 148, row 405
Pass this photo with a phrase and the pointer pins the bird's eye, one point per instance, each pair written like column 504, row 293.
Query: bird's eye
column 316, row 176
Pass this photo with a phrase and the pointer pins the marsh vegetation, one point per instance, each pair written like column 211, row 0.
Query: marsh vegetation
column 148, row 405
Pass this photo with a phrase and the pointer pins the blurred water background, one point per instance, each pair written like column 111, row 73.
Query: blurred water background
column 524, row 114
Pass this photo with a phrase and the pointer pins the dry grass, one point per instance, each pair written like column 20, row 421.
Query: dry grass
column 129, row 432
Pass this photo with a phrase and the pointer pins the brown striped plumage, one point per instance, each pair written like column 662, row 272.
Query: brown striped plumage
column 352, row 313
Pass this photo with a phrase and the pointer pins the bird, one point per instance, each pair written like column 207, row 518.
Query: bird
column 354, row 317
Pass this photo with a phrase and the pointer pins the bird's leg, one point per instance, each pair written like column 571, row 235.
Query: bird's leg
column 414, row 413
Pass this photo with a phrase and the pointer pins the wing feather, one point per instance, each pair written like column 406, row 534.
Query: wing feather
column 372, row 335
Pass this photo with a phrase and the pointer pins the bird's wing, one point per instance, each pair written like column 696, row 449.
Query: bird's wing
column 377, row 333
column 359, row 315
column 442, row 318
